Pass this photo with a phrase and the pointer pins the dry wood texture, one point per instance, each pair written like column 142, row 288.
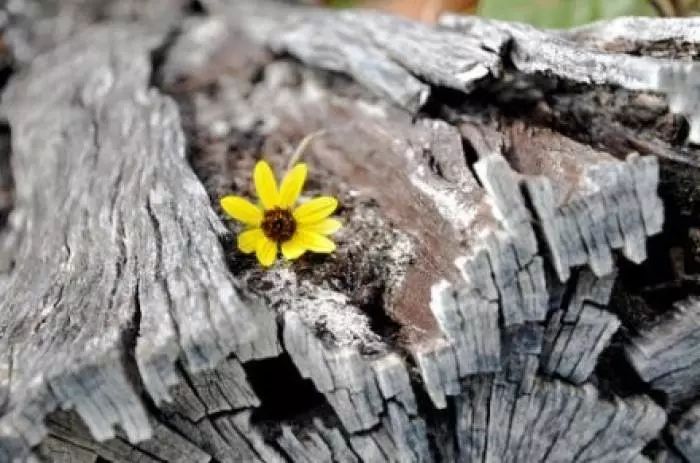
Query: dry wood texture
column 494, row 297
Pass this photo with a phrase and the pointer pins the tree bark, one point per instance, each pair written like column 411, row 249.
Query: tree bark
column 495, row 295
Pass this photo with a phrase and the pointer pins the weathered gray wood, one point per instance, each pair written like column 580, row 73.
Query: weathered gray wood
column 202, row 414
column 32, row 27
column 636, row 31
column 113, row 270
column 540, row 51
column 430, row 335
column 59, row 451
column 686, row 434
column 398, row 50
column 512, row 416
column 165, row 445
column 667, row 355
column 385, row 53
column 592, row 203
column 536, row 51
column 576, row 334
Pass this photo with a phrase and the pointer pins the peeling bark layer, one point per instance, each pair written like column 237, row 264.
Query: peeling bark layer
column 472, row 311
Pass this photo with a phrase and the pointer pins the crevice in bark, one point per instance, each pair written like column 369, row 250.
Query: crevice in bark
column 159, row 55
column 7, row 69
column 129, row 338
column 470, row 158
column 621, row 121
column 441, row 424
column 6, row 179
column 665, row 441
column 596, row 115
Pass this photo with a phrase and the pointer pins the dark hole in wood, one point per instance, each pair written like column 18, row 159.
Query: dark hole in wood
column 380, row 322
column 683, row 130
column 616, row 377
column 679, row 187
column 470, row 157
column 647, row 291
column 6, row 179
column 158, row 56
column 653, row 448
column 441, row 103
column 195, row 7
column 440, row 422
column 282, row 391
column 6, row 70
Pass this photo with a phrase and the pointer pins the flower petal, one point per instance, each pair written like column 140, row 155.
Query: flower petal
column 314, row 241
column 249, row 239
column 266, row 185
column 315, row 210
column 293, row 249
column 292, row 185
column 242, row 210
column 266, row 251
column 324, row 227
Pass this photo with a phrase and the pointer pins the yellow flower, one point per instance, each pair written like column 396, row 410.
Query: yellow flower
column 276, row 223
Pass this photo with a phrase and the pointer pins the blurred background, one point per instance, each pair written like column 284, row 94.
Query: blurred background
column 542, row 13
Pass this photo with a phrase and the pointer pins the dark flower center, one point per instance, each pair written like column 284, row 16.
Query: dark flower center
column 278, row 224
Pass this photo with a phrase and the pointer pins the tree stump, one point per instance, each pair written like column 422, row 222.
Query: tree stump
column 517, row 278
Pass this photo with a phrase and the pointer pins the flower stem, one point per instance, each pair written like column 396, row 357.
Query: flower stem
column 301, row 147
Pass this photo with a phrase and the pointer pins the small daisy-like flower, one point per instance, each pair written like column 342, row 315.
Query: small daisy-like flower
column 277, row 223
